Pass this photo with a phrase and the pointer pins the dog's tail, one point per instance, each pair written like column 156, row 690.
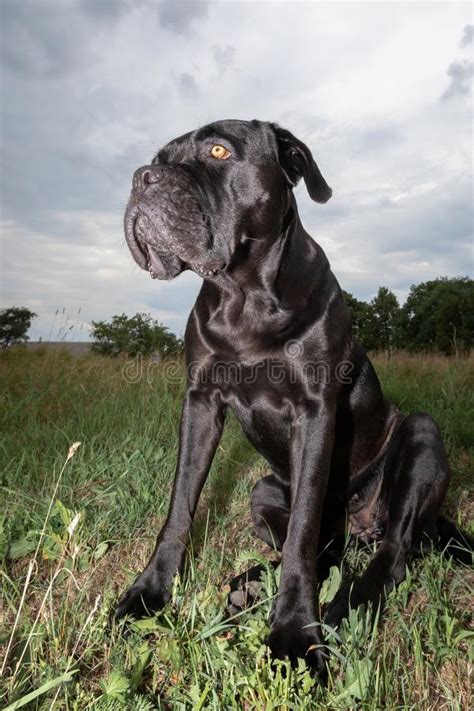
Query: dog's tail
column 453, row 542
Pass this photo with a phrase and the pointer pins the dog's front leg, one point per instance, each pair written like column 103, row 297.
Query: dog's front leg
column 202, row 420
column 297, row 602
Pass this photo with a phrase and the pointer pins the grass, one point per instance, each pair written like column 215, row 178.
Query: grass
column 77, row 524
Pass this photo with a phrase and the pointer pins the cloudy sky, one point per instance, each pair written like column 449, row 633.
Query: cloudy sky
column 91, row 88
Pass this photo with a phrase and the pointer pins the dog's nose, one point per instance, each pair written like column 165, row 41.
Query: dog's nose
column 146, row 175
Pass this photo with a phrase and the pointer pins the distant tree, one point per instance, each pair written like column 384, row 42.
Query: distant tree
column 363, row 317
column 138, row 334
column 439, row 315
column 384, row 326
column 14, row 325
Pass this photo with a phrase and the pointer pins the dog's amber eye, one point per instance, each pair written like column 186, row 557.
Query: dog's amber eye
column 219, row 152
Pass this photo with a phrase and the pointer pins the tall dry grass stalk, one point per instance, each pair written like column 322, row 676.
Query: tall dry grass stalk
column 31, row 566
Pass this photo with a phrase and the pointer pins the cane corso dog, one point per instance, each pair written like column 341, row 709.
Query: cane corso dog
column 270, row 337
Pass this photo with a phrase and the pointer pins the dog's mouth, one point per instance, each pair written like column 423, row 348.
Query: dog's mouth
column 148, row 252
column 163, row 266
column 166, row 237
column 147, row 248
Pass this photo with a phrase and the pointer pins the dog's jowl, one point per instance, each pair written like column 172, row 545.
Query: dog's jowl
column 270, row 337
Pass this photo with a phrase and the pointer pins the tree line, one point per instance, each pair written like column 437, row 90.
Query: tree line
column 438, row 315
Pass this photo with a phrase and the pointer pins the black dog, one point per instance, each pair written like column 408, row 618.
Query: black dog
column 270, row 336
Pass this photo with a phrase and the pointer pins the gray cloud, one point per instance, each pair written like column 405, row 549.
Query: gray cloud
column 224, row 56
column 106, row 10
column 42, row 38
column 179, row 16
column 396, row 241
column 187, row 85
column 468, row 36
column 83, row 272
column 460, row 74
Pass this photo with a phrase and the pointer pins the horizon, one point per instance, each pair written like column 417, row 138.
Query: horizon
column 61, row 324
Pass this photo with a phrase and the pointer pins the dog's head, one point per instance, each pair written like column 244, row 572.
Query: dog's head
column 210, row 191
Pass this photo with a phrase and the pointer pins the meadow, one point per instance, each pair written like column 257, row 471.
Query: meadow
column 78, row 521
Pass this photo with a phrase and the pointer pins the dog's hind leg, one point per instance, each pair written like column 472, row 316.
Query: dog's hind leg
column 415, row 479
column 270, row 507
column 270, row 503
column 453, row 541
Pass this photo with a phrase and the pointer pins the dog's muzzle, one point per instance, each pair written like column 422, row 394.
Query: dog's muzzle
column 165, row 226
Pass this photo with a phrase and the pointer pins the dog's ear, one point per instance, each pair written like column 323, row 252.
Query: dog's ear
column 297, row 162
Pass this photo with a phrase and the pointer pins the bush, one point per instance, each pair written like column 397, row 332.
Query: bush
column 14, row 324
column 140, row 334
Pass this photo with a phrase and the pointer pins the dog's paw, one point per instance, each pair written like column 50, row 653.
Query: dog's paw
column 295, row 641
column 338, row 608
column 243, row 597
column 352, row 595
column 143, row 598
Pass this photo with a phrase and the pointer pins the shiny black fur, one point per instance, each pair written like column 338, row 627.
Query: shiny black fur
column 270, row 337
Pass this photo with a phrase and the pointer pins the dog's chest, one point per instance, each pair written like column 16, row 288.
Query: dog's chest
column 267, row 426
column 263, row 400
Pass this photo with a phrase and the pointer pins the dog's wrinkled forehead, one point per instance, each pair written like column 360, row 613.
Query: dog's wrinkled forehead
column 243, row 138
